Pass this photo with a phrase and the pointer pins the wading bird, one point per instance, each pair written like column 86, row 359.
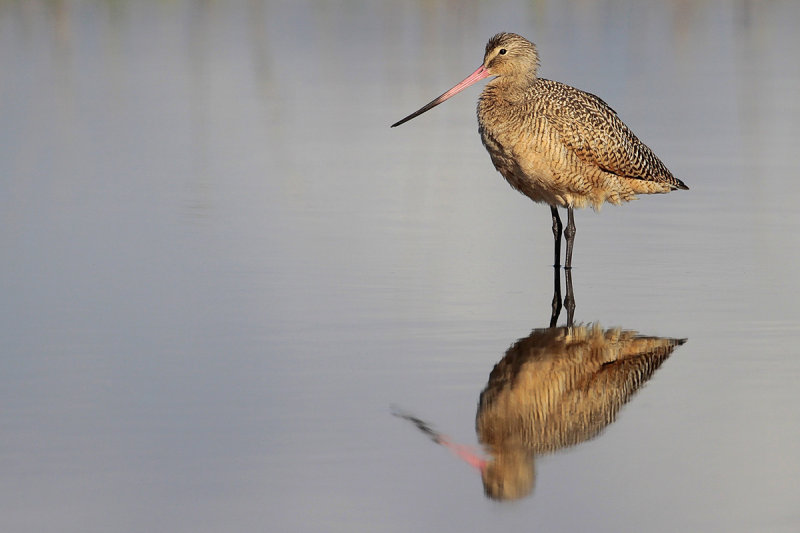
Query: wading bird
column 554, row 143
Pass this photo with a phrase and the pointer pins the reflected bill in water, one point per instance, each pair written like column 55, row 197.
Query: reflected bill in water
column 555, row 388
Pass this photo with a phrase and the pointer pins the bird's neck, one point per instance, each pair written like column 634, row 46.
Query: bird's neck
column 512, row 89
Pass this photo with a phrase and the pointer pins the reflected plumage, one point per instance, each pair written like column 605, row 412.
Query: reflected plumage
column 554, row 143
column 556, row 388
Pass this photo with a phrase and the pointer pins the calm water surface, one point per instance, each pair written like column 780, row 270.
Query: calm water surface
column 221, row 270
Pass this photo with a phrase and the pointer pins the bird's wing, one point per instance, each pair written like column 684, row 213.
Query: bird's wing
column 592, row 130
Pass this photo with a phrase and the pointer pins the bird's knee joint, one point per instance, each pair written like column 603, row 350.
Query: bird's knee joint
column 569, row 232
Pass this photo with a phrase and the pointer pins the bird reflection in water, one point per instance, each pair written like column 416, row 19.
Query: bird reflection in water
column 555, row 388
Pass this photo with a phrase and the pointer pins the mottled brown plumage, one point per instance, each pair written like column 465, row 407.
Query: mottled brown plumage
column 556, row 388
column 554, row 143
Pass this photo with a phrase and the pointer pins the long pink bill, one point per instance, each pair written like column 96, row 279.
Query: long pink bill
column 478, row 75
column 466, row 453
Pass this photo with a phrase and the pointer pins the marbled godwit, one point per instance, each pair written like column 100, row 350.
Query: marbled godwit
column 554, row 143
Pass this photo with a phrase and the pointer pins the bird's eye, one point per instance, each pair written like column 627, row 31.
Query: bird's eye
column 502, row 51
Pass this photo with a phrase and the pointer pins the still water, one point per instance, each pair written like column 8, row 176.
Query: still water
column 223, row 274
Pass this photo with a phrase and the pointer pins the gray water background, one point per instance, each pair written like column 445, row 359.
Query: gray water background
column 220, row 268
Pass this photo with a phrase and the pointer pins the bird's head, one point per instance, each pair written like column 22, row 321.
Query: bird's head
column 511, row 57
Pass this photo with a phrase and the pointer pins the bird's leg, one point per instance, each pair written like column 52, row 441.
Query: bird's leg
column 569, row 299
column 556, row 305
column 569, row 234
column 556, row 234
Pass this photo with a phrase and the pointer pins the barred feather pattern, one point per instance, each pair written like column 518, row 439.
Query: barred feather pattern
column 561, row 386
column 560, row 145
column 556, row 388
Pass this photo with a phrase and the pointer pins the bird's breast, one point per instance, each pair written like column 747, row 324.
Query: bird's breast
column 515, row 140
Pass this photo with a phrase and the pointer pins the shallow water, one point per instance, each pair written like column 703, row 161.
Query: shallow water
column 222, row 270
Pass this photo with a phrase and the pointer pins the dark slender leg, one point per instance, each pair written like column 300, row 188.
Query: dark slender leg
column 557, row 234
column 569, row 299
column 556, row 305
column 569, row 234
